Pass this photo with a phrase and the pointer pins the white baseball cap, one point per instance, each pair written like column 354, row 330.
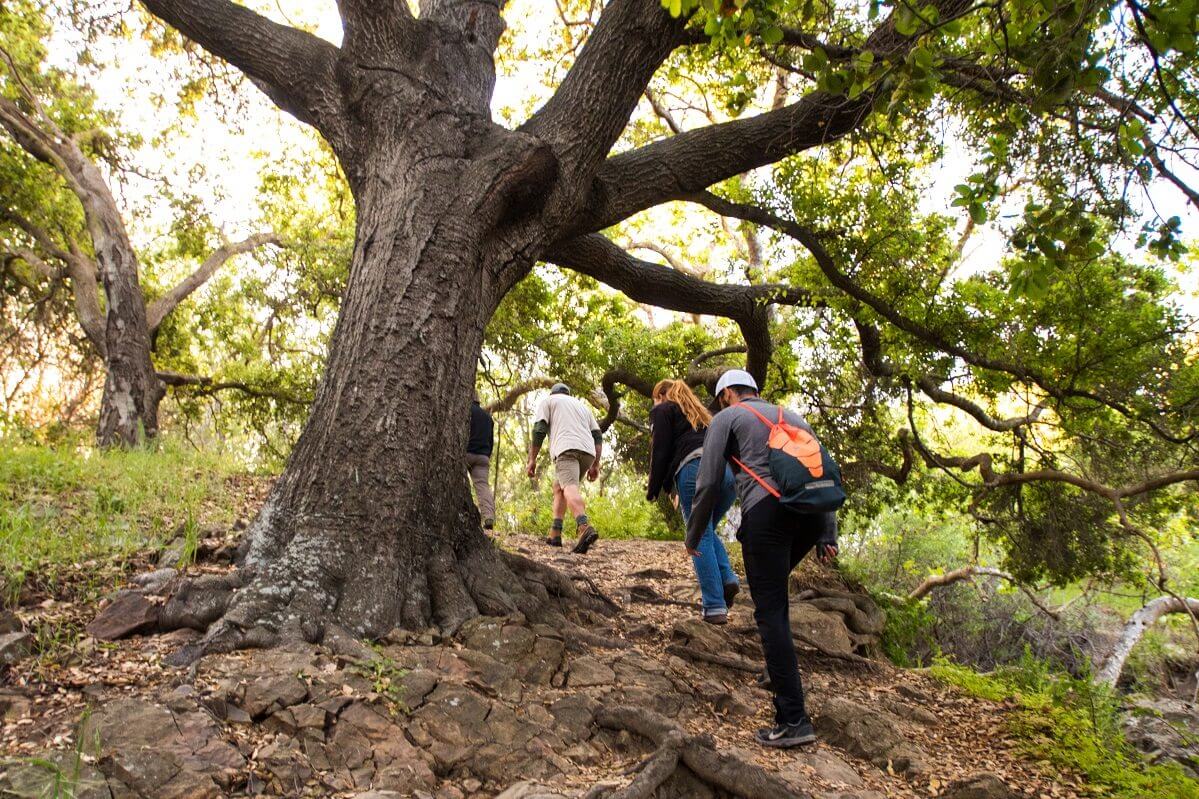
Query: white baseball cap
column 735, row 377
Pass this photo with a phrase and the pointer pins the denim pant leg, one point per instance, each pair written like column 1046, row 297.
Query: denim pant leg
column 768, row 548
column 728, row 495
column 707, row 568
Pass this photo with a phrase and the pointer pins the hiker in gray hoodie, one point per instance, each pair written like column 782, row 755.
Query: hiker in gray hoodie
column 774, row 539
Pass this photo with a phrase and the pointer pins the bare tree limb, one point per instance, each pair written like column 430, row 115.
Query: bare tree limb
column 161, row 307
column 207, row 385
column 968, row 572
column 663, row 287
column 1134, row 629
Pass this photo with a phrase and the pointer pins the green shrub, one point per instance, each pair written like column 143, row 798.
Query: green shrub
column 909, row 638
column 1073, row 724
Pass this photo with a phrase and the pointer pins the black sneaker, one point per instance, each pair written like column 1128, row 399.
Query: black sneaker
column 554, row 540
column 489, row 524
column 587, row 537
column 784, row 736
column 730, row 593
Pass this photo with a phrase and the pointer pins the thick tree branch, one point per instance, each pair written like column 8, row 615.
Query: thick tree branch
column 592, row 106
column 968, row 572
column 643, row 281
column 294, row 68
column 207, row 385
column 835, row 275
column 161, row 307
column 691, row 161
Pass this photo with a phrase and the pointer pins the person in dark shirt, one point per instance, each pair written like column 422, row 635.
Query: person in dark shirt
column 679, row 422
column 478, row 460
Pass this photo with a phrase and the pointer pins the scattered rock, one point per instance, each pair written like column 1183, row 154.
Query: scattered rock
column 980, row 786
column 173, row 552
column 1164, row 730
column 129, row 613
column 149, row 750
column 910, row 712
column 531, row 790
column 825, row 630
column 10, row 622
column 45, row 777
column 587, row 671
column 872, row 735
column 827, row 766
column 15, row 647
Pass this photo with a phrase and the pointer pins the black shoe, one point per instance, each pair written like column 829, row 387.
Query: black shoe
column 784, row 736
column 730, row 593
column 587, row 537
column 554, row 540
column 489, row 524
column 763, row 681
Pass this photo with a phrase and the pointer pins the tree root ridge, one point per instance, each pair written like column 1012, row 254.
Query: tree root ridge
column 723, row 770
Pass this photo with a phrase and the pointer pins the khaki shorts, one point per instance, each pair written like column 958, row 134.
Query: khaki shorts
column 570, row 466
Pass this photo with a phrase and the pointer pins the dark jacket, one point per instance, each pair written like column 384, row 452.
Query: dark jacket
column 482, row 431
column 673, row 439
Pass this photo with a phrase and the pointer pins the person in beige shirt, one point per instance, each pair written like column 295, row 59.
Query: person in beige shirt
column 576, row 443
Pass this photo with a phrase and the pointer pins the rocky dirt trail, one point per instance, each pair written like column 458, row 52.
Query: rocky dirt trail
column 649, row 701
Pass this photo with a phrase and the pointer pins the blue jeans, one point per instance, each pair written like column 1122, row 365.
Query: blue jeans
column 712, row 567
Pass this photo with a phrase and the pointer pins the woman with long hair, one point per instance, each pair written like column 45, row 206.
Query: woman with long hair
column 679, row 421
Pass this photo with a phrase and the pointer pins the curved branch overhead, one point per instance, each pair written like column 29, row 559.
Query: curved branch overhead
column 836, row 276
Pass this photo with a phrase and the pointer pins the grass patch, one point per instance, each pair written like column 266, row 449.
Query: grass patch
column 64, row 509
column 1074, row 725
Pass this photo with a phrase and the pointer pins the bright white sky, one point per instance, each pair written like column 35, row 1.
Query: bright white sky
column 134, row 81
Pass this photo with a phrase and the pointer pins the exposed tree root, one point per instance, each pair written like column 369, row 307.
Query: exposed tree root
column 728, row 661
column 647, row 595
column 723, row 770
column 281, row 602
column 803, row 640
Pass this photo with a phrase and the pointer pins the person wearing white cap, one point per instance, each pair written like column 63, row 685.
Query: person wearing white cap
column 576, row 443
column 773, row 538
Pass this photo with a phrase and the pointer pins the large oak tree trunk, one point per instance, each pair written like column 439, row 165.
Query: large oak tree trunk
column 371, row 524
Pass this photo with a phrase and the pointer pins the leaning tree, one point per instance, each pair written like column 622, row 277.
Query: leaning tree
column 368, row 527
column 60, row 220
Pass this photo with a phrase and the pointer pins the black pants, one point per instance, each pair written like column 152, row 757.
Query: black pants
column 773, row 542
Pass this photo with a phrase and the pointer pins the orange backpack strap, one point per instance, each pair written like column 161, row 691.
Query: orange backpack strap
column 758, row 414
column 774, row 492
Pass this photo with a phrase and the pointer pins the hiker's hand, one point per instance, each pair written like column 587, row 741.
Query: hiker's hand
column 826, row 553
column 531, row 469
column 693, row 552
column 593, row 472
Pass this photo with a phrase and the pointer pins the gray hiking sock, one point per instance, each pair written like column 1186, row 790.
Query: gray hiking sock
column 557, row 526
column 581, row 520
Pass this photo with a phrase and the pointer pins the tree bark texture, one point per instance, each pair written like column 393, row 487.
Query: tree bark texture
column 1134, row 629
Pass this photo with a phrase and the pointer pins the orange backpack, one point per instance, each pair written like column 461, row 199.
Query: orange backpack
column 808, row 479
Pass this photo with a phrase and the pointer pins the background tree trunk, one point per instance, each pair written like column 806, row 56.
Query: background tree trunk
column 132, row 390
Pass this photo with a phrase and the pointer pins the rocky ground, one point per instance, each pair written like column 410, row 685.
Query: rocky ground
column 649, row 701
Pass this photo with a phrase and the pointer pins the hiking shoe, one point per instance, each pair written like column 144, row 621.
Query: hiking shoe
column 716, row 618
column 587, row 537
column 489, row 524
column 730, row 593
column 554, row 540
column 763, row 681
column 784, row 736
